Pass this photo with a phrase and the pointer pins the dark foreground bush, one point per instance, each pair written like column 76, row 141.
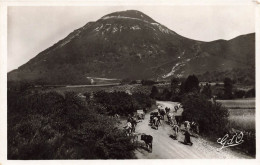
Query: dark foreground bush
column 52, row 126
column 120, row 102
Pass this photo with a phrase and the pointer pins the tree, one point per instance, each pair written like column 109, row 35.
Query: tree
column 142, row 100
column 239, row 94
column 191, row 84
column 176, row 89
column 166, row 94
column 182, row 87
column 175, row 86
column 206, row 90
column 250, row 93
column 212, row 117
column 228, row 87
column 154, row 92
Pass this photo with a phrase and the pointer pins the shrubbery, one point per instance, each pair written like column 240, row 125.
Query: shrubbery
column 228, row 87
column 142, row 100
column 120, row 102
column 212, row 117
column 250, row 93
column 206, row 90
column 53, row 126
column 190, row 84
column 154, row 93
column 166, row 95
column 242, row 76
column 236, row 94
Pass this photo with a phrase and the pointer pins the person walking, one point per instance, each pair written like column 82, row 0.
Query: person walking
column 176, row 129
column 133, row 123
column 187, row 135
column 128, row 128
column 158, row 120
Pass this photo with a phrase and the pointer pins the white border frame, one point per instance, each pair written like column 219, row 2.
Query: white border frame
column 3, row 75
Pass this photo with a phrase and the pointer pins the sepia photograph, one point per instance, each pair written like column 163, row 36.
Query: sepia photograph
column 131, row 82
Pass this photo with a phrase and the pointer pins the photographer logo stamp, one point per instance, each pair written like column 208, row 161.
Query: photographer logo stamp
column 229, row 141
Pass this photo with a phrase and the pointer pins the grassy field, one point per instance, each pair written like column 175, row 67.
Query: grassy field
column 128, row 88
column 243, row 123
column 248, row 103
column 133, row 88
column 242, row 113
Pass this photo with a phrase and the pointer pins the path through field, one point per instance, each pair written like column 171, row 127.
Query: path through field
column 165, row 147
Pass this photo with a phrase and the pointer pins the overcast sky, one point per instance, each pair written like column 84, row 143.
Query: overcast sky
column 33, row 29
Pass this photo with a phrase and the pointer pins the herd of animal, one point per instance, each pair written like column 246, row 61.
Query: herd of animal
column 155, row 122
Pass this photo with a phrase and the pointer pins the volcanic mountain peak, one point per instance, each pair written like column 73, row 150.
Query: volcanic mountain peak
column 130, row 44
column 129, row 14
column 130, row 20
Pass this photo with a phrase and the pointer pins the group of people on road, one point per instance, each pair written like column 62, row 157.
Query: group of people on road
column 188, row 126
column 170, row 117
column 130, row 131
column 130, row 125
column 155, row 122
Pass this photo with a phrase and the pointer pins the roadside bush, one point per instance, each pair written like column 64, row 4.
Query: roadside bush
column 143, row 100
column 120, row 102
column 52, row 126
column 212, row 117
column 115, row 102
column 175, row 90
column 206, row 90
column 191, row 84
column 176, row 98
column 166, row 95
column 154, row 92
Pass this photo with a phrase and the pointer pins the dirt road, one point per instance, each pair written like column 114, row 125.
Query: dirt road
column 165, row 147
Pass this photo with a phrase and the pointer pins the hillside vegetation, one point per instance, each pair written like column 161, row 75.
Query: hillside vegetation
column 50, row 125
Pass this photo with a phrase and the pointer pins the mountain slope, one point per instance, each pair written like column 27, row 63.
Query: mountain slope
column 130, row 44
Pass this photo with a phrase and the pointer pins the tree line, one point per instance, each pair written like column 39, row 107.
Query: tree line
column 179, row 87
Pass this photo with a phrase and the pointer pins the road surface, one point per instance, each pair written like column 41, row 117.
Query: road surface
column 165, row 147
